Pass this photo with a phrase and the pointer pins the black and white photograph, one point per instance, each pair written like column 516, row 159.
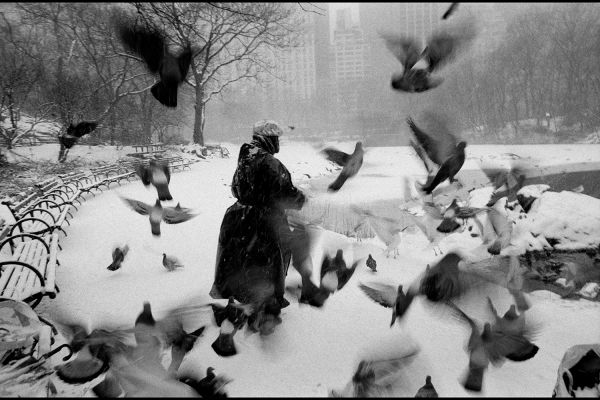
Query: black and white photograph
column 254, row 199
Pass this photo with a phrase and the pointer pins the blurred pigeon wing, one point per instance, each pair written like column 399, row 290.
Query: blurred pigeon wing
column 450, row 10
column 138, row 206
column 184, row 60
column 143, row 173
column 444, row 45
column 85, row 127
column 438, row 148
column 503, row 344
column 336, row 156
column 380, row 293
column 421, row 153
column 165, row 169
column 405, row 49
column 440, row 50
column 175, row 216
column 346, row 274
column 149, row 44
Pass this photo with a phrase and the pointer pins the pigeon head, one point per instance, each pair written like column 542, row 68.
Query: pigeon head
column 428, row 380
column 452, row 259
column 210, row 371
column 399, row 288
column 511, row 313
column 339, row 255
column 400, row 83
column 461, row 145
column 487, row 329
column 358, row 146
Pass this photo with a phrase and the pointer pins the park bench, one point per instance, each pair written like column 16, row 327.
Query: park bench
column 37, row 212
column 28, row 267
column 105, row 175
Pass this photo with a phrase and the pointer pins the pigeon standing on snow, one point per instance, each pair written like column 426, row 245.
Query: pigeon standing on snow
column 158, row 213
column 170, row 262
column 443, row 148
column 389, row 297
column 118, row 256
column 157, row 174
column 371, row 263
column 150, row 44
column 418, row 65
column 351, row 163
column 427, row 390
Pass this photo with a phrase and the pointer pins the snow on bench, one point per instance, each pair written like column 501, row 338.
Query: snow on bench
column 29, row 272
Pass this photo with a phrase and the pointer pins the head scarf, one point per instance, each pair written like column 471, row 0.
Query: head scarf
column 265, row 134
column 267, row 128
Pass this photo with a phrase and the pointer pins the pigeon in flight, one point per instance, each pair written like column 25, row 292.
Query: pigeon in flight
column 503, row 228
column 418, row 65
column 156, row 173
column 453, row 7
column 171, row 263
column 118, row 256
column 387, row 229
column 150, row 45
column 334, row 273
column 506, row 183
column 351, row 164
column 389, row 297
column 75, row 132
column 492, row 345
column 158, row 213
column 211, row 386
column 427, row 390
column 443, row 149
column 443, row 282
column 377, row 376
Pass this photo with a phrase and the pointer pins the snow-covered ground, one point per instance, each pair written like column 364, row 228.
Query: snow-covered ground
column 313, row 350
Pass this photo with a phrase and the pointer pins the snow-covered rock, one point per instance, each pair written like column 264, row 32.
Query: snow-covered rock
column 567, row 220
column 590, row 290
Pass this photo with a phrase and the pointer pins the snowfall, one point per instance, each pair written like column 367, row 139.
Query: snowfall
column 316, row 350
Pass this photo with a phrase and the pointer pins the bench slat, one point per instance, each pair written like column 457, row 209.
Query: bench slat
column 19, row 277
column 15, row 270
column 26, row 280
column 50, row 271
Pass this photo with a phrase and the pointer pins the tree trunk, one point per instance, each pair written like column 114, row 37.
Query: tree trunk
column 200, row 117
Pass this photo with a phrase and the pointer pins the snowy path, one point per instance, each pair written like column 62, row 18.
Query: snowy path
column 314, row 350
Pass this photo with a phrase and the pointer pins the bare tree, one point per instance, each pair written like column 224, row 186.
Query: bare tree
column 231, row 42
column 20, row 74
column 90, row 76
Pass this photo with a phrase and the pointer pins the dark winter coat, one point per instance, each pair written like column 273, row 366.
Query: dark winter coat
column 252, row 254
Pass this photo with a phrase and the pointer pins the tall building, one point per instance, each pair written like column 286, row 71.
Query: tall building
column 296, row 65
column 349, row 64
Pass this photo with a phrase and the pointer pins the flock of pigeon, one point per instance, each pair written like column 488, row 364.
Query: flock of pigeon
column 135, row 370
column 450, row 281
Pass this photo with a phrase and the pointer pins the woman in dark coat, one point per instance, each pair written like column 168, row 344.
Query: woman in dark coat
column 253, row 253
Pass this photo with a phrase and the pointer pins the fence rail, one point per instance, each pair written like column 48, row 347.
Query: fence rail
column 30, row 141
